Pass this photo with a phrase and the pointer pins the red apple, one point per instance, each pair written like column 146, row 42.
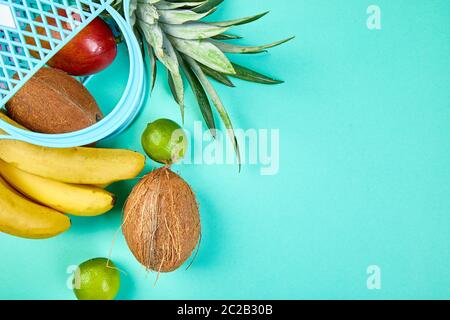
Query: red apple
column 93, row 49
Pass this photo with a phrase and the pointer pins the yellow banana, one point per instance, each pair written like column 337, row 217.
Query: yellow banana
column 77, row 165
column 23, row 218
column 81, row 200
column 90, row 166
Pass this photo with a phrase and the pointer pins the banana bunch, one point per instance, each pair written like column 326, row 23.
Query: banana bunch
column 39, row 185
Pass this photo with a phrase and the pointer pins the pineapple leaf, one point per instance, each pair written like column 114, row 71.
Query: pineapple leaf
column 225, row 36
column 152, row 2
column 220, row 77
column 152, row 65
column 181, row 16
column 204, row 52
column 177, row 87
column 166, row 5
column 200, row 95
column 154, row 36
column 238, row 22
column 247, row 74
column 147, row 13
column 232, row 48
column 193, row 30
column 163, row 48
column 207, row 5
column 118, row 4
column 209, row 88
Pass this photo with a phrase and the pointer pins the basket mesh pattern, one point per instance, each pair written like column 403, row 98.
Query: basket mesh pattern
column 32, row 31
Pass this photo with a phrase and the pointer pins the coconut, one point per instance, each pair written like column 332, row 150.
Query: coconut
column 161, row 221
column 53, row 102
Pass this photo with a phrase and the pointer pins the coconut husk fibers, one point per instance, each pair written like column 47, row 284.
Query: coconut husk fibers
column 161, row 221
column 53, row 102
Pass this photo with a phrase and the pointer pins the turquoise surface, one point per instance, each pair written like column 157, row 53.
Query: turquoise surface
column 364, row 179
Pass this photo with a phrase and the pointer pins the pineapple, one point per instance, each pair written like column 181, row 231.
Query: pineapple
column 174, row 33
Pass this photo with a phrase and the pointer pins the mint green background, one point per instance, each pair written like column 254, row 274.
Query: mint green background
column 364, row 174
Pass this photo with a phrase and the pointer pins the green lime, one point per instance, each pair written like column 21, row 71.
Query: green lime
column 96, row 279
column 164, row 141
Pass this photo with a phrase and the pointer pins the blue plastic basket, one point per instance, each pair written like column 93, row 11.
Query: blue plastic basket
column 19, row 20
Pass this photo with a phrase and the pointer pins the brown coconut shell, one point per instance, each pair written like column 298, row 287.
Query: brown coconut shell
column 161, row 221
column 53, row 102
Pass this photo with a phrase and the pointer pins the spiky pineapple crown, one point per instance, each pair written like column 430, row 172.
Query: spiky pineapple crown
column 174, row 33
